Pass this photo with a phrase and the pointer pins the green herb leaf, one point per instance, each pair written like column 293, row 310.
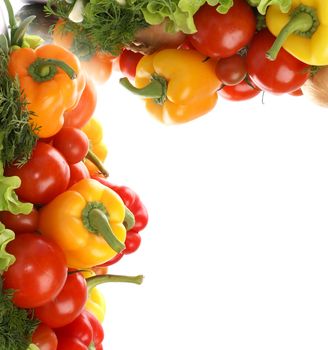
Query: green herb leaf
column 6, row 259
column 16, row 324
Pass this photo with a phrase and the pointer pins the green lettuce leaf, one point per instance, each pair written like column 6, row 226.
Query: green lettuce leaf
column 262, row 5
column 179, row 13
column 6, row 259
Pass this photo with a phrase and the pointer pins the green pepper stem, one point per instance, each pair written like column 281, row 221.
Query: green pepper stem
column 129, row 220
column 99, row 222
column 99, row 279
column 97, row 162
column 156, row 89
column 303, row 22
column 45, row 69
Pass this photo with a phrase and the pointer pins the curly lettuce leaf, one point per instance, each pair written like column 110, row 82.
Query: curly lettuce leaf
column 262, row 5
column 179, row 13
column 6, row 259
column 8, row 198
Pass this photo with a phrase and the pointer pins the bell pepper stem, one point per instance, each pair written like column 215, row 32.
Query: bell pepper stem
column 99, row 279
column 129, row 220
column 97, row 162
column 303, row 22
column 99, row 222
column 45, row 69
column 156, row 89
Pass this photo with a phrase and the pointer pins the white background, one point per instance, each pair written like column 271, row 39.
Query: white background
column 235, row 253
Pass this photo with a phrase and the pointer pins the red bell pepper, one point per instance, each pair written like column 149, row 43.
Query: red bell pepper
column 133, row 202
column 84, row 333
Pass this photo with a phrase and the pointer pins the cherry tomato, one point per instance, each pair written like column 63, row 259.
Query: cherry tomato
column 72, row 143
column 78, row 171
column 132, row 242
column 67, row 305
column 128, row 62
column 39, row 272
column 20, row 223
column 81, row 114
column 240, row 92
column 231, row 70
column 43, row 177
column 223, row 35
column 285, row 74
column 45, row 338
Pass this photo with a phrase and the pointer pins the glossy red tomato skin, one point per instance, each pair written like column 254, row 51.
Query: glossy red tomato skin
column 231, row 70
column 240, row 92
column 67, row 305
column 39, row 272
column 72, row 143
column 128, row 62
column 43, row 177
column 223, row 35
column 20, row 223
column 78, row 171
column 45, row 338
column 283, row 75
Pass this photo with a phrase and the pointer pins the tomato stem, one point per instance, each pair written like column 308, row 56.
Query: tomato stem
column 99, row 279
column 97, row 162
column 303, row 22
column 156, row 89
column 45, row 69
column 95, row 219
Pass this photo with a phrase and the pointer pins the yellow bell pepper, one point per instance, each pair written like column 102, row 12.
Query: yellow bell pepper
column 96, row 302
column 178, row 85
column 303, row 31
column 86, row 221
column 94, row 131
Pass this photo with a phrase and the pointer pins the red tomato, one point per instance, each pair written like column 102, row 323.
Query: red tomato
column 240, row 92
column 67, row 305
column 128, row 63
column 81, row 114
column 285, row 74
column 20, row 223
column 39, row 272
column 78, row 171
column 132, row 242
column 231, row 70
column 72, row 143
column 223, row 35
column 43, row 177
column 44, row 338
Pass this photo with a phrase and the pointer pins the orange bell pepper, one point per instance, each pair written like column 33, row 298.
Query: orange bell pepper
column 86, row 221
column 51, row 79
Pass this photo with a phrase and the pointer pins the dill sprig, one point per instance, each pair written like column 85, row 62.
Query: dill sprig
column 107, row 24
column 16, row 324
column 18, row 136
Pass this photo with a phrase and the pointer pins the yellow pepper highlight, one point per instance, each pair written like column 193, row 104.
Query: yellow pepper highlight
column 303, row 31
column 178, row 85
column 86, row 222
column 96, row 304
column 93, row 129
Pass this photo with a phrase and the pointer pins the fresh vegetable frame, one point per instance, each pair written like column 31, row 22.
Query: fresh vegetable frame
column 61, row 218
